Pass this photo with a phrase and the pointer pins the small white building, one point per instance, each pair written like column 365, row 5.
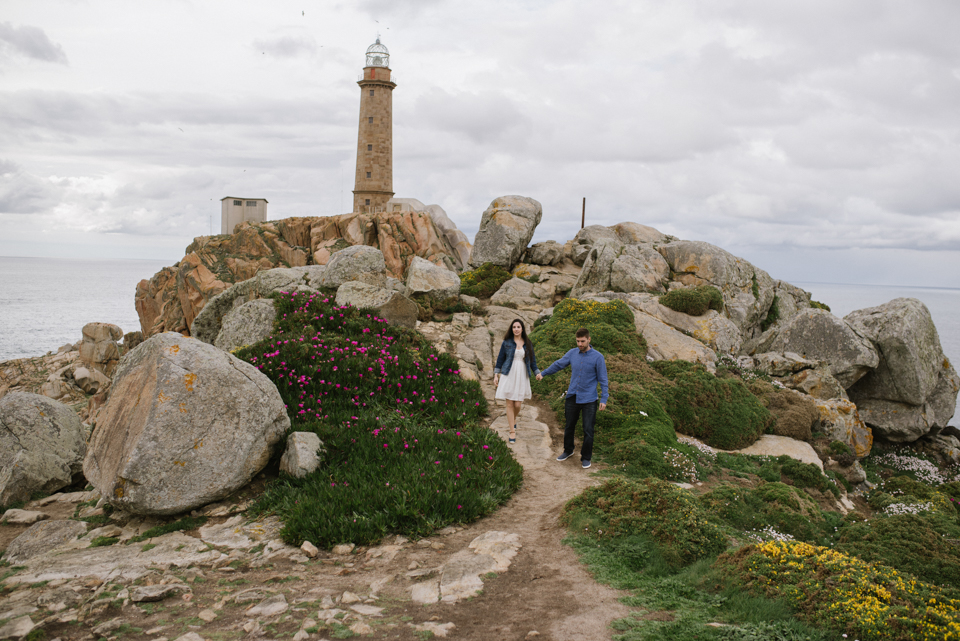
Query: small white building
column 234, row 211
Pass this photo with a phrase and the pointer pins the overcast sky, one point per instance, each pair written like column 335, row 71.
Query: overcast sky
column 818, row 139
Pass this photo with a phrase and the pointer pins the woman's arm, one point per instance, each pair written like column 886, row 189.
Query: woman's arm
column 501, row 357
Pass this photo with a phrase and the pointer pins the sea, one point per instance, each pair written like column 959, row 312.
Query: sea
column 45, row 302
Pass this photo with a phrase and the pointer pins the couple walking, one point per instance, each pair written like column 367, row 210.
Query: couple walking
column 516, row 363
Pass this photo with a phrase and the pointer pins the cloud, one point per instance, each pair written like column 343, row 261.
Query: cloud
column 286, row 46
column 23, row 193
column 29, row 42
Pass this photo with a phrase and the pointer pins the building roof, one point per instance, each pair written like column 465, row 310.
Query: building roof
column 239, row 198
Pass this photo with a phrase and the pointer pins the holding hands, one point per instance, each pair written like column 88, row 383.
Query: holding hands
column 539, row 377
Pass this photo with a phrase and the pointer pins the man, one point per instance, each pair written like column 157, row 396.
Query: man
column 587, row 369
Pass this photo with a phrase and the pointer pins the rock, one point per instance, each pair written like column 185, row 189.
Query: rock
column 840, row 421
column 501, row 546
column 190, row 636
column 272, row 606
column 309, row 549
column 547, row 253
column 780, row 364
column 818, row 335
column 59, row 599
column 362, row 263
column 521, row 293
column 327, row 248
column 17, row 628
column 699, row 263
column 109, row 531
column 42, row 537
column 770, row 445
column 818, row 383
column 591, row 235
column 595, row 275
column 247, row 324
column 22, row 517
column 911, row 357
column 343, row 549
column 90, row 381
column 913, row 390
column 639, row 269
column 666, row 343
column 852, row 473
column 505, row 231
column 99, row 349
column 360, row 628
column 712, row 329
column 437, row 283
column 577, row 253
column 252, row 594
column 301, row 456
column 790, row 300
column 456, row 238
column 425, row 592
column 367, row 610
column 479, row 343
column 107, row 627
column 228, row 534
column 185, row 425
column 636, row 234
column 152, row 593
column 435, row 629
column 42, row 444
column 392, row 306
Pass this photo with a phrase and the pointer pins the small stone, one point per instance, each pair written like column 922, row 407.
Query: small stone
column 17, row 628
column 361, row 628
column 106, row 531
column 413, row 565
column 107, row 627
column 269, row 607
column 532, row 633
column 150, row 593
column 190, row 636
column 309, row 549
column 367, row 610
column 207, row 615
column 423, row 543
column 349, row 597
column 302, row 635
column 327, row 602
column 343, row 549
column 156, row 630
column 437, row 545
column 22, row 517
column 308, row 623
column 251, row 626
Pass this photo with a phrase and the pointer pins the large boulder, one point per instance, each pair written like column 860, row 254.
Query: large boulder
column 247, row 324
column 593, row 234
column 456, row 238
column 595, row 275
column 818, row 335
column 99, row 348
column 666, row 343
column 186, row 424
column 359, row 262
column 209, row 321
column 505, row 231
column 747, row 290
column 523, row 294
column 637, row 234
column 437, row 283
column 790, row 300
column 546, row 253
column 711, row 328
column 639, row 269
column 391, row 306
column 42, row 444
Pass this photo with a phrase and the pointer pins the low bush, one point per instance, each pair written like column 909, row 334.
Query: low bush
column 794, row 413
column 694, row 301
column 611, row 325
column 671, row 517
column 818, row 305
column 484, row 281
column 719, row 411
column 404, row 451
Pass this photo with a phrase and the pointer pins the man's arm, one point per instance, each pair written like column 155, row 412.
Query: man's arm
column 555, row 367
column 602, row 377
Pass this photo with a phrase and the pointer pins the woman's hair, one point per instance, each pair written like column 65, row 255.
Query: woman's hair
column 528, row 346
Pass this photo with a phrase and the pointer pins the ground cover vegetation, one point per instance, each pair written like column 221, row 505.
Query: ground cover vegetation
column 694, row 301
column 791, row 561
column 484, row 281
column 402, row 448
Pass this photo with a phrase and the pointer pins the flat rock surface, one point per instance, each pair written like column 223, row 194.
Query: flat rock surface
column 770, row 445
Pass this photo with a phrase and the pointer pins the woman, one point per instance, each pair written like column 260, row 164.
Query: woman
column 516, row 363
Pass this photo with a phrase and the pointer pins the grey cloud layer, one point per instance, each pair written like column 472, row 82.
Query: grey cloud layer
column 29, row 42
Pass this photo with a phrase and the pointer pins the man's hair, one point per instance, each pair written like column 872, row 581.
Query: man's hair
column 583, row 332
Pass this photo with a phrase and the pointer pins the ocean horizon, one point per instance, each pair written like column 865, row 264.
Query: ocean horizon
column 45, row 302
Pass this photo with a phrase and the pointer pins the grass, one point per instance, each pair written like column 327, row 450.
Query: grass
column 484, row 281
column 694, row 301
column 404, row 451
column 180, row 525
column 103, row 541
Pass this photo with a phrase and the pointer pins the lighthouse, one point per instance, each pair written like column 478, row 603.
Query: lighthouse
column 373, row 186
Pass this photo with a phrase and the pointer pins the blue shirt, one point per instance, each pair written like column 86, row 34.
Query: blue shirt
column 587, row 369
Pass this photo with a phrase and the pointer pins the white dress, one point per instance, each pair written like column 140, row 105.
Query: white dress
column 515, row 386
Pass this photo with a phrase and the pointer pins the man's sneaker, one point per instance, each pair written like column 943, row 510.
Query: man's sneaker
column 564, row 456
column 586, row 463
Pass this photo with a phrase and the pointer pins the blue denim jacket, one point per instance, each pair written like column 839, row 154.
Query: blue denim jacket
column 505, row 358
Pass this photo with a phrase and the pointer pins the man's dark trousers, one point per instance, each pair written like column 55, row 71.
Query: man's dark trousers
column 572, row 410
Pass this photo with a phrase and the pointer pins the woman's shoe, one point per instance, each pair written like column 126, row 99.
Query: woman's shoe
column 512, row 440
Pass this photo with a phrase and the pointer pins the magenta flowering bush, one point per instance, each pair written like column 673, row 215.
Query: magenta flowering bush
column 404, row 452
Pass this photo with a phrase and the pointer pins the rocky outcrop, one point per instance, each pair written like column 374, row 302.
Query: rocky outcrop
column 711, row 328
column 546, row 253
column 90, row 381
column 747, row 291
column 595, row 275
column 186, row 424
column 454, row 237
column 523, row 294
column 639, row 268
column 818, row 335
column 666, row 343
column 840, row 421
column 42, row 444
column 246, row 324
column 913, row 390
column 360, row 262
column 637, row 234
column 391, row 306
column 42, row 537
column 99, row 348
column 433, row 281
column 173, row 298
column 505, row 231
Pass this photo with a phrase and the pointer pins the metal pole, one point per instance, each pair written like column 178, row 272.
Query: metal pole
column 583, row 214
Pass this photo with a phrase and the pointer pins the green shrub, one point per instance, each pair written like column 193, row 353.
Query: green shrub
column 818, row 305
column 720, row 412
column 180, row 525
column 484, row 281
column 404, row 451
column 694, row 301
column 773, row 315
column 611, row 325
column 667, row 514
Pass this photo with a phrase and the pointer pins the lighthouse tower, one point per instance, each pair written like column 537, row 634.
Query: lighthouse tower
column 374, row 183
